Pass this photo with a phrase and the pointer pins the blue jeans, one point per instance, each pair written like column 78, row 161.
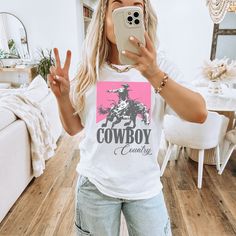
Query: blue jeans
column 97, row 214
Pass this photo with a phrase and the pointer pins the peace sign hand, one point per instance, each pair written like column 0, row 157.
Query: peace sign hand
column 59, row 77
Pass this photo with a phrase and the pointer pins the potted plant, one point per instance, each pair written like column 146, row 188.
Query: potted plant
column 6, row 55
column 12, row 48
column 218, row 70
column 46, row 60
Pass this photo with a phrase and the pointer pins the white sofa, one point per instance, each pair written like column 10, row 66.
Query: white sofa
column 15, row 158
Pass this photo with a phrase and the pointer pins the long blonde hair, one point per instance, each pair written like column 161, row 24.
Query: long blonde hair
column 96, row 47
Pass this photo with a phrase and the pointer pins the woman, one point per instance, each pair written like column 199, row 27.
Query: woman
column 121, row 109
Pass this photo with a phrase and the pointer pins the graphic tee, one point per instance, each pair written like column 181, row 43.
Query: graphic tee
column 122, row 123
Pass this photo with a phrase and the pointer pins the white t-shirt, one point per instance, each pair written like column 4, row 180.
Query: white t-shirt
column 123, row 123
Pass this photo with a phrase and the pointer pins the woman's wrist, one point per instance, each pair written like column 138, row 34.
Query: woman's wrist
column 63, row 99
column 163, row 83
column 158, row 80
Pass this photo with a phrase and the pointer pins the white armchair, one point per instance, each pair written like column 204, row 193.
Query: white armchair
column 194, row 135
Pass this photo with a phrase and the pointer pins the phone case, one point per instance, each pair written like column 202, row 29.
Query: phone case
column 128, row 21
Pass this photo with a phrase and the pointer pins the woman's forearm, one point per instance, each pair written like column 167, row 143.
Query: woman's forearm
column 188, row 104
column 71, row 123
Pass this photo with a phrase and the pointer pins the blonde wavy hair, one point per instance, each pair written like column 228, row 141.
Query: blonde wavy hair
column 96, row 47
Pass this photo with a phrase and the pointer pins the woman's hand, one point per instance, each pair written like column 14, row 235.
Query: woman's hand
column 178, row 97
column 59, row 77
column 146, row 59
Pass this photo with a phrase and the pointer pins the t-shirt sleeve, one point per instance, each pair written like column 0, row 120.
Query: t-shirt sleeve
column 169, row 67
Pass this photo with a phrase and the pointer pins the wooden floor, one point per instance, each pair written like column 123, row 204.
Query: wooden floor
column 46, row 207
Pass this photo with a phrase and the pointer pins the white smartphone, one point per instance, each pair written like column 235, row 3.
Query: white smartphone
column 128, row 21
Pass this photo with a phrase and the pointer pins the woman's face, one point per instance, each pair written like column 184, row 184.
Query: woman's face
column 112, row 5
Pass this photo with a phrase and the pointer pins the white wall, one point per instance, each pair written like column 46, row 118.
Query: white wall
column 185, row 32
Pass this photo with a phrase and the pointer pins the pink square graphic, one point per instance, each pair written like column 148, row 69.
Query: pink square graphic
column 138, row 91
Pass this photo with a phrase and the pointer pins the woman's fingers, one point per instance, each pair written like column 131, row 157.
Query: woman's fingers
column 53, row 76
column 133, row 56
column 139, row 45
column 148, row 42
column 52, row 82
column 67, row 62
column 53, row 70
column 57, row 57
column 60, row 80
column 57, row 77
column 58, row 69
column 49, row 77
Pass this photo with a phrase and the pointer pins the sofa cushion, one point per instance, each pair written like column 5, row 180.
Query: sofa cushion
column 36, row 91
column 6, row 118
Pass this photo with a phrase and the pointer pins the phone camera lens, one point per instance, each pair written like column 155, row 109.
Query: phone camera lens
column 136, row 22
column 136, row 14
column 130, row 18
